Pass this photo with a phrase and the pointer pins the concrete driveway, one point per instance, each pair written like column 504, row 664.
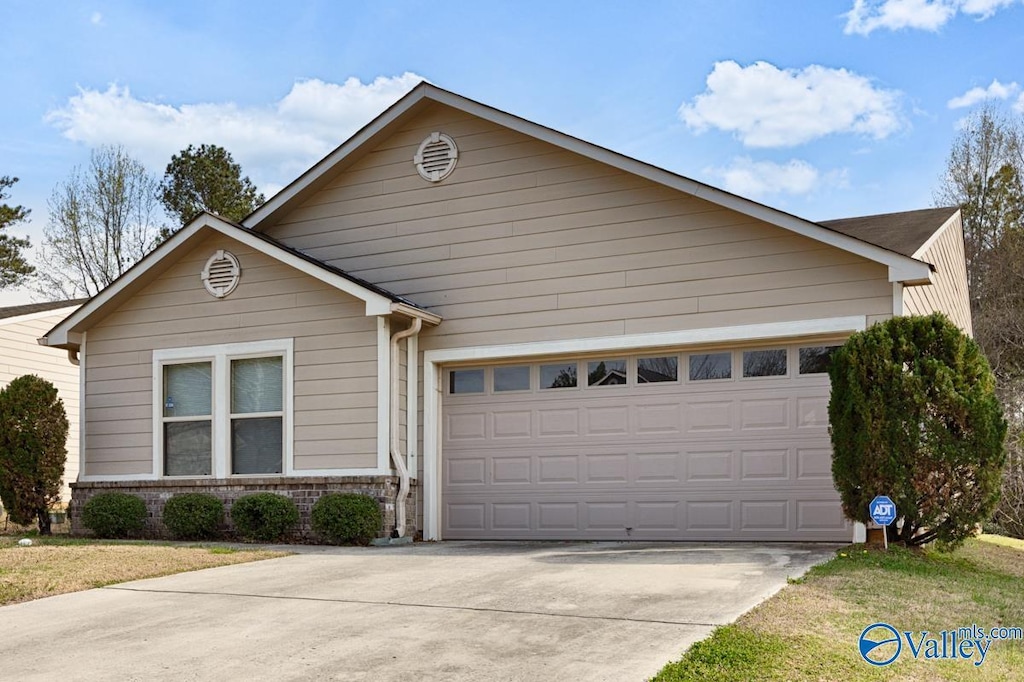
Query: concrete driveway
column 448, row 611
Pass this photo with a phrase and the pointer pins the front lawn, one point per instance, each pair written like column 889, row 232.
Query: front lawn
column 810, row 630
column 56, row 565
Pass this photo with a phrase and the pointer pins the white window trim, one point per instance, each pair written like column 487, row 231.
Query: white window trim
column 433, row 386
column 221, row 355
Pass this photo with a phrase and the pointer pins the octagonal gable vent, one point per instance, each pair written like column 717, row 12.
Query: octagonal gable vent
column 221, row 273
column 436, row 157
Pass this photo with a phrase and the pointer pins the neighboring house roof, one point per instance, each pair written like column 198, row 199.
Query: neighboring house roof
column 32, row 308
column 901, row 267
column 907, row 233
column 378, row 301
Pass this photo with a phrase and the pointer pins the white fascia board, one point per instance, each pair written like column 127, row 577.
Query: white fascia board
column 412, row 311
column 688, row 337
column 376, row 304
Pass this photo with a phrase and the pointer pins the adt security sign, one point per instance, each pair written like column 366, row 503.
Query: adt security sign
column 883, row 510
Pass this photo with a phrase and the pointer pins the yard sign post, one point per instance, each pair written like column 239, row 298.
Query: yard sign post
column 883, row 513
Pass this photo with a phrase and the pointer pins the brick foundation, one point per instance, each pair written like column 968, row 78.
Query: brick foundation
column 303, row 490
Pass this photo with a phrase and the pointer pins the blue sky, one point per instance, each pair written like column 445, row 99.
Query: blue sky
column 826, row 109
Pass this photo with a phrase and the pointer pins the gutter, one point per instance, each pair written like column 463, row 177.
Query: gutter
column 396, row 443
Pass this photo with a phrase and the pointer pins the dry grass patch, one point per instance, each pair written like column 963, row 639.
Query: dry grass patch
column 809, row 630
column 57, row 566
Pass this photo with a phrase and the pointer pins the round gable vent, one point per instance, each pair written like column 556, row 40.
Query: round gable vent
column 436, row 157
column 221, row 273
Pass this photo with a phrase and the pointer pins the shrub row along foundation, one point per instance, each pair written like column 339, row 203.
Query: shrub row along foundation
column 303, row 491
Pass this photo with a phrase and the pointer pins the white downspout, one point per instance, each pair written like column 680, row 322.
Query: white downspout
column 396, row 441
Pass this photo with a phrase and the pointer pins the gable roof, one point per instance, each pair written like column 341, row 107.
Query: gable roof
column 902, row 268
column 378, row 301
column 32, row 308
column 907, row 233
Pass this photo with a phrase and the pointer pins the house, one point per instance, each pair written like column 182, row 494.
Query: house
column 20, row 326
column 417, row 317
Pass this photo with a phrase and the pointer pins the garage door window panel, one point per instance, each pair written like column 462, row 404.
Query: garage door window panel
column 555, row 376
column 765, row 363
column 508, row 379
column 466, row 381
column 710, row 366
column 815, row 359
column 606, row 373
column 657, row 370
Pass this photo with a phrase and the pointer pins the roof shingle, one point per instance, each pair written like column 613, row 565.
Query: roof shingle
column 903, row 232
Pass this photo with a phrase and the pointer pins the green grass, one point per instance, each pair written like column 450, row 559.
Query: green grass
column 809, row 630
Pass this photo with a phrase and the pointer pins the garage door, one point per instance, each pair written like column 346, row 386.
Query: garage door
column 723, row 444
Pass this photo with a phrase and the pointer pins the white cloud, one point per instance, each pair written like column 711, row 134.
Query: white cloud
column 867, row 16
column 96, row 19
column 995, row 90
column 983, row 9
column 755, row 179
column 272, row 143
column 765, row 106
column 1019, row 104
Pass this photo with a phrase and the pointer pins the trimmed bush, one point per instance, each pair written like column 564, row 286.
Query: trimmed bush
column 347, row 518
column 264, row 517
column 33, row 433
column 114, row 515
column 193, row 516
column 914, row 416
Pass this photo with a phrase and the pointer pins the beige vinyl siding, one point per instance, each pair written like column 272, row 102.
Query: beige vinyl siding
column 949, row 293
column 527, row 242
column 335, row 358
column 20, row 354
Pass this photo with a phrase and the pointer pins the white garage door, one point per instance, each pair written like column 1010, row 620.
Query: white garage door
column 725, row 444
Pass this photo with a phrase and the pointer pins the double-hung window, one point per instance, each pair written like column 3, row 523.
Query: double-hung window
column 223, row 410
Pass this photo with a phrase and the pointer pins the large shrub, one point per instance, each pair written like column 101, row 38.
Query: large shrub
column 33, row 435
column 347, row 518
column 914, row 416
column 193, row 516
column 114, row 515
column 264, row 517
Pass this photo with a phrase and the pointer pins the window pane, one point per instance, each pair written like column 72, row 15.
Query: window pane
column 606, row 373
column 511, row 378
column 558, row 376
column 706, row 366
column 187, row 389
column 256, row 445
column 815, row 360
column 466, row 381
column 764, row 363
column 256, row 385
column 187, row 448
column 655, row 370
